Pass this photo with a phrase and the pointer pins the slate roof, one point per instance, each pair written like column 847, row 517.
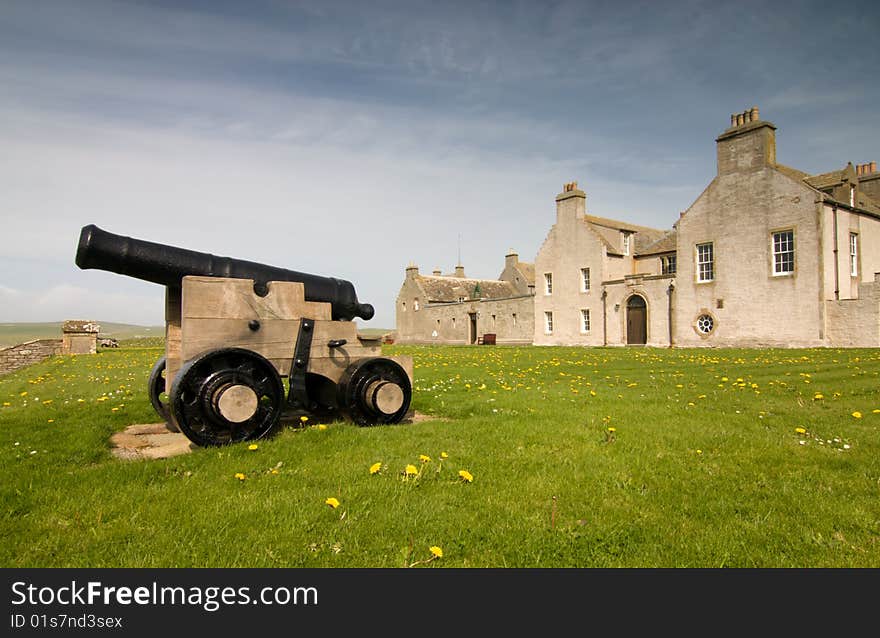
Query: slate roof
column 609, row 231
column 665, row 244
column 528, row 271
column 824, row 181
column 450, row 289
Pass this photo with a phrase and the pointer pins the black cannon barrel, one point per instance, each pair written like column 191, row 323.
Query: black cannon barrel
column 167, row 265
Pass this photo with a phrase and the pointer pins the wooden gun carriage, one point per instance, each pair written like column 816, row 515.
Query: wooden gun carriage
column 236, row 330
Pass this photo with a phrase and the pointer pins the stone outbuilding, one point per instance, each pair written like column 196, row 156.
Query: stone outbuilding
column 456, row 309
column 79, row 337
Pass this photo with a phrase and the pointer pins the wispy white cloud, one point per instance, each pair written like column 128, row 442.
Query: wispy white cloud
column 348, row 138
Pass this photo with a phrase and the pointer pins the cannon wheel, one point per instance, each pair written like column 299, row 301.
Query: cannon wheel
column 374, row 391
column 226, row 396
column 156, row 388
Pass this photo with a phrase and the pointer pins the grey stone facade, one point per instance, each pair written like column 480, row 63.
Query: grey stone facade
column 766, row 255
column 455, row 309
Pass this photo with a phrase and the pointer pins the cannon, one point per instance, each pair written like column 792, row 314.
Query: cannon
column 235, row 330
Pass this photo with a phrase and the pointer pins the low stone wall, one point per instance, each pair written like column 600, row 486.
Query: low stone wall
column 25, row 354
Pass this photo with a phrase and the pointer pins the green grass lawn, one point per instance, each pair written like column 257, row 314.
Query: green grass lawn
column 579, row 458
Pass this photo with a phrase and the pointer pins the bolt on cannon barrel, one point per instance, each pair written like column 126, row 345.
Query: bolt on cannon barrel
column 167, row 265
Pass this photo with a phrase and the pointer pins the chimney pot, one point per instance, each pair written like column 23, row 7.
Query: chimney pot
column 755, row 114
column 872, row 167
column 739, row 119
column 733, row 119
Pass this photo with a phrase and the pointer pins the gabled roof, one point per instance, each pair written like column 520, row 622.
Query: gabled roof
column 826, row 182
column 792, row 172
column 609, row 230
column 665, row 244
column 528, row 271
column 451, row 289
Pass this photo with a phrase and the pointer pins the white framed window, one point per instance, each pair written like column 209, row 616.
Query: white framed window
column 854, row 254
column 548, row 322
column 783, row 252
column 585, row 320
column 668, row 264
column 585, row 280
column 548, row 283
column 624, row 240
column 705, row 262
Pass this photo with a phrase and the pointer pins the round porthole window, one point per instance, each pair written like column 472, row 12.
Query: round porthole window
column 705, row 324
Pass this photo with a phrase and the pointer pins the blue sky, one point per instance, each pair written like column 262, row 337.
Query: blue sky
column 348, row 139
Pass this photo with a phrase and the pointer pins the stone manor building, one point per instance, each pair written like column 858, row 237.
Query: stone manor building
column 767, row 255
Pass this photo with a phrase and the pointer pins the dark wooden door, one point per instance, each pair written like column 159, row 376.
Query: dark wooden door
column 636, row 321
column 472, row 335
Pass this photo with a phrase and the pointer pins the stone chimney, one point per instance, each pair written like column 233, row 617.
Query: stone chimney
column 866, row 169
column 412, row 270
column 869, row 180
column 511, row 259
column 459, row 271
column 748, row 145
column 571, row 203
column 437, row 272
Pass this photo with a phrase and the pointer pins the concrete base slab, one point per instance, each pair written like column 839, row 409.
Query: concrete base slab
column 149, row 441
column 156, row 441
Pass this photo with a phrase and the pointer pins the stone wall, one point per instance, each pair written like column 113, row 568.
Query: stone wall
column 855, row 323
column 512, row 320
column 25, row 354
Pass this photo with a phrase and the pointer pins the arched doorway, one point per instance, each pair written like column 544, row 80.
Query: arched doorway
column 636, row 321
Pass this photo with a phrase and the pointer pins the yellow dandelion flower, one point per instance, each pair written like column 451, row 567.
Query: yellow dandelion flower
column 818, row 396
column 872, row 411
column 612, row 429
column 322, row 427
column 424, row 458
column 699, row 451
column 375, row 467
column 51, row 421
column 466, row 476
column 436, row 551
column 23, row 394
column 253, row 446
column 304, row 419
column 800, row 430
column 332, row 502
column 857, row 415
column 6, row 404
column 444, row 455
column 411, row 470
column 240, row 476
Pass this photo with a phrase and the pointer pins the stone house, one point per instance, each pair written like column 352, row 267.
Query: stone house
column 455, row 309
column 766, row 256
